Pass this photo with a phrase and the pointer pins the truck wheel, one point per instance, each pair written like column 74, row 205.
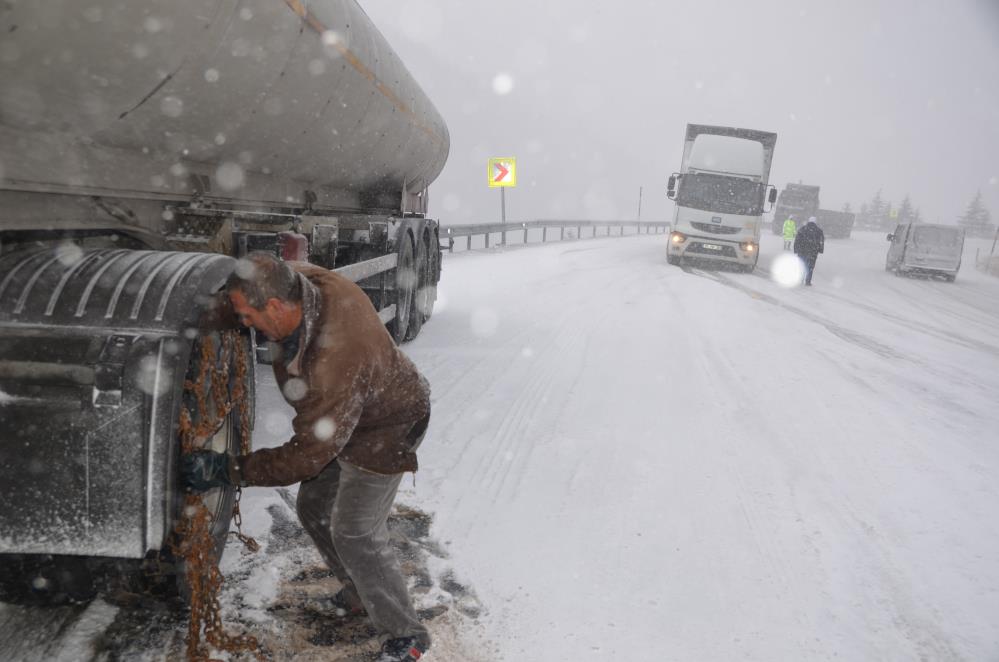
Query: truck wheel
column 406, row 278
column 425, row 293
column 167, row 571
column 673, row 259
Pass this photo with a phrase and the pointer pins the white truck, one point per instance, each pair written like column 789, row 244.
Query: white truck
column 720, row 193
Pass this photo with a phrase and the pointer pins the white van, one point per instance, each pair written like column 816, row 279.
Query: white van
column 924, row 248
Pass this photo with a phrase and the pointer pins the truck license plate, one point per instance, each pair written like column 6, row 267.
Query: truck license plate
column 712, row 247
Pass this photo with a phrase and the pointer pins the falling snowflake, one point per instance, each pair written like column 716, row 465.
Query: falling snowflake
column 172, row 106
column 229, row 176
column 502, row 84
column 787, row 270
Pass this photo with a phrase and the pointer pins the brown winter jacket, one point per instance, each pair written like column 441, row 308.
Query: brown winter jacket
column 356, row 396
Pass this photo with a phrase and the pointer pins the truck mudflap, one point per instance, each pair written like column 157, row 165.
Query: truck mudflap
column 94, row 346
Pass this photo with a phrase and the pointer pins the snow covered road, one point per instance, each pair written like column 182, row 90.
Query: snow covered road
column 629, row 461
column 632, row 461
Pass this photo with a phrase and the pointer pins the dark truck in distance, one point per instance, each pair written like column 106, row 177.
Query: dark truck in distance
column 144, row 148
column 798, row 200
column 802, row 202
column 835, row 224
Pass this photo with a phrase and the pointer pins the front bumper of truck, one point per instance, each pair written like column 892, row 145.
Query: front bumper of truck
column 681, row 245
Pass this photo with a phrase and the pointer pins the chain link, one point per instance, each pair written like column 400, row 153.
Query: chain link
column 193, row 541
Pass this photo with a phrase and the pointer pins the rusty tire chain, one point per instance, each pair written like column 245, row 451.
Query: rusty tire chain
column 193, row 536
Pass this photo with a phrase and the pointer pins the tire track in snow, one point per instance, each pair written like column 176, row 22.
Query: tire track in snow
column 956, row 301
column 860, row 340
column 755, row 504
column 910, row 324
column 521, row 431
column 571, row 340
column 910, row 618
column 509, row 445
column 956, row 376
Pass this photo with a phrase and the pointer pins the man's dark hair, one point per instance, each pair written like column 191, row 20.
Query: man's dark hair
column 261, row 276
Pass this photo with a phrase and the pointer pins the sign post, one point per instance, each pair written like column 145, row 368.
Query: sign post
column 502, row 173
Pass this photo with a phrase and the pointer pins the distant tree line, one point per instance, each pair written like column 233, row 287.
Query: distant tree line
column 880, row 214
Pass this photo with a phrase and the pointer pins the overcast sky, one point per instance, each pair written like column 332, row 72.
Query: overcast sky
column 900, row 95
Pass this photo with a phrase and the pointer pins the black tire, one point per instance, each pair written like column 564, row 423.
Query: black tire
column 406, row 278
column 165, row 572
column 433, row 274
column 425, row 294
column 673, row 259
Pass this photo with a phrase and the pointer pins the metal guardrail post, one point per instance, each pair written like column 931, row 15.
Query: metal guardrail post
column 525, row 233
column 468, row 243
column 562, row 236
column 487, row 240
column 544, row 234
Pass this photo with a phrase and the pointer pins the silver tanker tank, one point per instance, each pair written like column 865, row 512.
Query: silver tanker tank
column 265, row 104
column 143, row 146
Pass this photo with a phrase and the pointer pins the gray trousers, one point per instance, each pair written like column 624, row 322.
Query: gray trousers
column 344, row 509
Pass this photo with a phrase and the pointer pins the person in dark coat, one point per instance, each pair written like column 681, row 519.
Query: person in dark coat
column 809, row 242
column 361, row 410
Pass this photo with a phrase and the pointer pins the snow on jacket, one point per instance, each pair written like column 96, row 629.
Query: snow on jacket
column 790, row 228
column 356, row 395
column 810, row 241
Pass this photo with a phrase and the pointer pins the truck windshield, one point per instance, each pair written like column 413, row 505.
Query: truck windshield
column 926, row 238
column 726, row 195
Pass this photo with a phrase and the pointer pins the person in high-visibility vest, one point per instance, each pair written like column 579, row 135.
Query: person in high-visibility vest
column 790, row 230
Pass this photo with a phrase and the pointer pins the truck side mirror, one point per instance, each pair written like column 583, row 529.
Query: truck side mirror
column 771, row 197
column 890, row 237
column 671, row 187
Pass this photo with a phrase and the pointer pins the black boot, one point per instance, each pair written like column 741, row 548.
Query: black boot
column 402, row 649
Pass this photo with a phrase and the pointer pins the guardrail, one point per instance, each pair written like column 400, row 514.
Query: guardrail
column 374, row 267
column 452, row 232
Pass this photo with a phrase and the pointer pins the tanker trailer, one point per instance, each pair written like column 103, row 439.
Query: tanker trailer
column 144, row 147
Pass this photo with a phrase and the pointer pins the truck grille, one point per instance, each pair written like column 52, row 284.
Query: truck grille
column 715, row 229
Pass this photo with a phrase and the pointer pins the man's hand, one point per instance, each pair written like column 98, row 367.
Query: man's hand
column 203, row 470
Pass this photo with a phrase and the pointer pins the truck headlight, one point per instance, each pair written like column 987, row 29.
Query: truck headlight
column 678, row 238
column 748, row 247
